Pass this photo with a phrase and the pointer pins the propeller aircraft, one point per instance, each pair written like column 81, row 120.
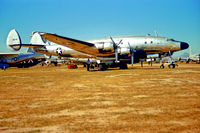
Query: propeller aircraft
column 106, row 52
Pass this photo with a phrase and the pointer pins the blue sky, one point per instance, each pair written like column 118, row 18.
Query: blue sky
column 88, row 19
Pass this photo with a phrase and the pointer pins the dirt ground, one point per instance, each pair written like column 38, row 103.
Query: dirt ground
column 57, row 99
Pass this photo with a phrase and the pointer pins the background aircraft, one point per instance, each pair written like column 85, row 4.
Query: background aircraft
column 116, row 51
column 20, row 60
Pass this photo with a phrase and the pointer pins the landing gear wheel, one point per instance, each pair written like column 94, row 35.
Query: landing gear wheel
column 171, row 66
column 162, row 66
column 123, row 66
column 4, row 68
column 102, row 67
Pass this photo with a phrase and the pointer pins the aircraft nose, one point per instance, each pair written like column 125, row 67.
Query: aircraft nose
column 184, row 45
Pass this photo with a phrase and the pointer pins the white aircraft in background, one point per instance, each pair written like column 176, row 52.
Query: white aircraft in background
column 110, row 51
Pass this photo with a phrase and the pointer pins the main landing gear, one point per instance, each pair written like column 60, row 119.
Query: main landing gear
column 171, row 65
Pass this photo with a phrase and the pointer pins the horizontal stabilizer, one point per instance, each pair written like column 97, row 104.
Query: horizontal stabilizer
column 14, row 41
column 33, row 45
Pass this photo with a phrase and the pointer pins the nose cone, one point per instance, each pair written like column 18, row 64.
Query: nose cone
column 184, row 45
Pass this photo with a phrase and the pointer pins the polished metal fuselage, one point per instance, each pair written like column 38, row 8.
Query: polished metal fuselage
column 148, row 44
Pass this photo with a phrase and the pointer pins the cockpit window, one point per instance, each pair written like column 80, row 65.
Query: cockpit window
column 100, row 42
column 171, row 40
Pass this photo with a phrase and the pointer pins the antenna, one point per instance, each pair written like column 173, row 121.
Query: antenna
column 156, row 33
column 190, row 53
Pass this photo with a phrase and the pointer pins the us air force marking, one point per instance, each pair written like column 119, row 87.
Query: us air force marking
column 59, row 51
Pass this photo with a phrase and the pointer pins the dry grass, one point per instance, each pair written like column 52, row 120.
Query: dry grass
column 56, row 99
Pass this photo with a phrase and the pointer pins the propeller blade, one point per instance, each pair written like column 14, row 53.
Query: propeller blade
column 115, row 46
column 132, row 54
column 132, row 58
column 119, row 42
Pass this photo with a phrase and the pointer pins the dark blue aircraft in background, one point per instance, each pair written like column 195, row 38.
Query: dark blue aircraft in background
column 20, row 60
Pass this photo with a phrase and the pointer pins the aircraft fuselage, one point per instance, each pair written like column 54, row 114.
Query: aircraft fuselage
column 143, row 45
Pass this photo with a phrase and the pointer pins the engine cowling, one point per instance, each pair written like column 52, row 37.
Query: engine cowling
column 104, row 46
column 107, row 46
column 124, row 51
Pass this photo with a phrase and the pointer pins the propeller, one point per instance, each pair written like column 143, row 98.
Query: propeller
column 132, row 54
column 115, row 46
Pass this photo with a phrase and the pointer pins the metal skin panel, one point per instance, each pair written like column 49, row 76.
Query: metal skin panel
column 104, row 47
column 101, row 49
column 147, row 43
column 63, row 51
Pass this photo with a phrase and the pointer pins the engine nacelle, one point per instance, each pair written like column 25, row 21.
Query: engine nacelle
column 99, row 46
column 124, row 51
column 13, row 41
column 107, row 46
column 104, row 46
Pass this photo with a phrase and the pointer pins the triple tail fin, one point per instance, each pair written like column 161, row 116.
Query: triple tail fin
column 13, row 41
column 37, row 39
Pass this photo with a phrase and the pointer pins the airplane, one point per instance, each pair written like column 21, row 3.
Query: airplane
column 19, row 59
column 108, row 51
column 194, row 58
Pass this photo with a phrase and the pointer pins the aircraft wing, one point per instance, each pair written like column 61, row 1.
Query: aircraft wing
column 7, row 55
column 81, row 46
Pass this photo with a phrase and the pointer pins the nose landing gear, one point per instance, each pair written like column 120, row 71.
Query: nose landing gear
column 171, row 65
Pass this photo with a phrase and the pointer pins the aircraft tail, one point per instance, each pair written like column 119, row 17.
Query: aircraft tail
column 37, row 39
column 13, row 41
column 30, row 50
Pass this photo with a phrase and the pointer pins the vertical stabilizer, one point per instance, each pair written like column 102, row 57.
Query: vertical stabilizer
column 13, row 41
column 30, row 50
column 37, row 39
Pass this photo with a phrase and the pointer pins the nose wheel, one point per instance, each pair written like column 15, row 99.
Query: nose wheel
column 162, row 66
column 171, row 66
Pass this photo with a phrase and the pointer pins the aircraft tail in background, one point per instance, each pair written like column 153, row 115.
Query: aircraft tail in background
column 14, row 42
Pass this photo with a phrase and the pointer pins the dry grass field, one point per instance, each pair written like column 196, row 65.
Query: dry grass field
column 57, row 99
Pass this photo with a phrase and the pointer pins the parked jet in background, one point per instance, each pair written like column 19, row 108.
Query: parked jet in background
column 116, row 51
column 19, row 60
